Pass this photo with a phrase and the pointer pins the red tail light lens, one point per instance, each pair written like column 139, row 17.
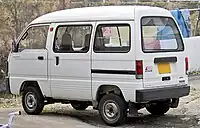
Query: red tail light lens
column 186, row 65
column 139, row 69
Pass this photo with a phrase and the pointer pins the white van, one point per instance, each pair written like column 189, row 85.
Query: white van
column 117, row 59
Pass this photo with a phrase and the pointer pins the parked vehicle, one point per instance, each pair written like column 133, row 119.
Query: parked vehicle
column 117, row 59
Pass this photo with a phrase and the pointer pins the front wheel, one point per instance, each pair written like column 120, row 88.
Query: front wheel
column 32, row 101
column 112, row 109
column 158, row 108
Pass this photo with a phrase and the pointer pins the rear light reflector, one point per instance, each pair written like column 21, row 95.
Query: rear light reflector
column 186, row 65
column 139, row 69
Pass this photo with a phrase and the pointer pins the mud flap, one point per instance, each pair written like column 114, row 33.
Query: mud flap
column 174, row 103
column 133, row 111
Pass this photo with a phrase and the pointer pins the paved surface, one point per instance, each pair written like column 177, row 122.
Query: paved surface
column 46, row 120
column 63, row 116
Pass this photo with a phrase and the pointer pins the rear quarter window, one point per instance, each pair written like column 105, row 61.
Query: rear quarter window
column 112, row 38
column 160, row 34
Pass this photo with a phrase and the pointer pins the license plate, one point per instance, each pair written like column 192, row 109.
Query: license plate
column 164, row 68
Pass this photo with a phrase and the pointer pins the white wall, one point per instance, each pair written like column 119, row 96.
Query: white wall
column 192, row 45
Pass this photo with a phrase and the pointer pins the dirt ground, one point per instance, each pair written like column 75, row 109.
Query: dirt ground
column 187, row 115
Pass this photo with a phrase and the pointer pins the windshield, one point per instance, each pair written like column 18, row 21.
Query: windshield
column 160, row 34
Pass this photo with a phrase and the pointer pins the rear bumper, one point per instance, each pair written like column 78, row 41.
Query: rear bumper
column 162, row 93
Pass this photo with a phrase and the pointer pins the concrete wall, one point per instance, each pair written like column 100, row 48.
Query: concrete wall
column 192, row 45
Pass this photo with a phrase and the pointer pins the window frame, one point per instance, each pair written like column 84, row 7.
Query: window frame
column 112, row 25
column 64, row 25
column 161, row 51
column 25, row 30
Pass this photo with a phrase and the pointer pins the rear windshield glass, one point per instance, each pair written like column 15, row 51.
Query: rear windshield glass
column 160, row 34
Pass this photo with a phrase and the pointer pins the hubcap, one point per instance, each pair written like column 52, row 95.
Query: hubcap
column 30, row 101
column 110, row 111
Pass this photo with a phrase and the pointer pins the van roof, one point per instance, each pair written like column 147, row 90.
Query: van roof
column 100, row 13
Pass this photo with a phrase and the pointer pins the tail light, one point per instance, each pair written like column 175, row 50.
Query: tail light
column 139, row 69
column 186, row 65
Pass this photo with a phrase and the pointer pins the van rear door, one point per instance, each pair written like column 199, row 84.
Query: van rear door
column 164, row 60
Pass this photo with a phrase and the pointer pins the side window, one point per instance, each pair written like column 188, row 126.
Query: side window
column 72, row 38
column 112, row 38
column 34, row 38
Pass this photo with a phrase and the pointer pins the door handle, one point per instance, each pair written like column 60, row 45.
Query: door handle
column 57, row 60
column 40, row 58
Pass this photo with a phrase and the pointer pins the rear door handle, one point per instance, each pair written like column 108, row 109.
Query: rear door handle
column 40, row 58
column 165, row 59
column 57, row 60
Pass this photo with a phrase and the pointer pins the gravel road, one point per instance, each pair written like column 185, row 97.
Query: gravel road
column 187, row 115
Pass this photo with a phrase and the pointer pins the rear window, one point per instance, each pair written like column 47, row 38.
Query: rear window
column 160, row 34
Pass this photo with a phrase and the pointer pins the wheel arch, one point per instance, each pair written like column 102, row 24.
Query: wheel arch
column 26, row 84
column 106, row 89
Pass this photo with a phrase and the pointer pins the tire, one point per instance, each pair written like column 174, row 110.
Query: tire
column 112, row 104
column 160, row 108
column 32, row 101
column 79, row 105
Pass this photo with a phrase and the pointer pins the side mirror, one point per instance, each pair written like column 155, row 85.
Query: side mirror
column 14, row 46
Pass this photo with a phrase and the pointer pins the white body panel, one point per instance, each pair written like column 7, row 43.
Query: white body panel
column 25, row 66
column 116, row 62
column 71, row 78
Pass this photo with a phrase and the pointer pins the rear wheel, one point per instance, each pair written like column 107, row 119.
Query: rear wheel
column 32, row 101
column 112, row 109
column 159, row 108
column 79, row 105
